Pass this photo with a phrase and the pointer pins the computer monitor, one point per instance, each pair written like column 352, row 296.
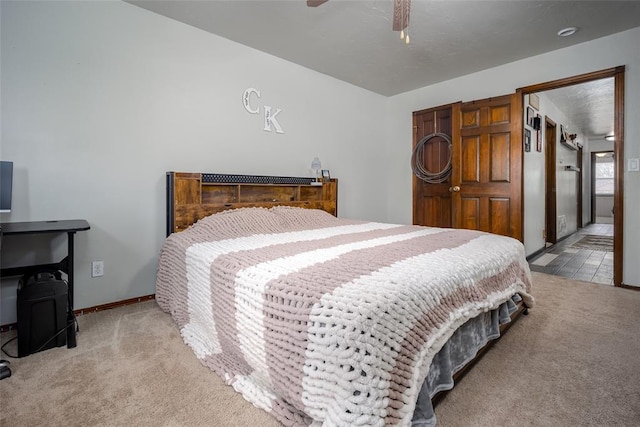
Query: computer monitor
column 6, row 185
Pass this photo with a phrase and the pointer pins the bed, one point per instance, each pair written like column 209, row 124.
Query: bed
column 321, row 320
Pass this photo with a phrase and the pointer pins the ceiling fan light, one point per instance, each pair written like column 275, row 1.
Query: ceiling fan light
column 401, row 34
column 406, row 40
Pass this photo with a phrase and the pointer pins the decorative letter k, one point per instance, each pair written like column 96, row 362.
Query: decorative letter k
column 270, row 119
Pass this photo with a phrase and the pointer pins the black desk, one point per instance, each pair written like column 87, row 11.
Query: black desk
column 66, row 265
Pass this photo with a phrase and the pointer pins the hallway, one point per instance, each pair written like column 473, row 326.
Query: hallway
column 565, row 259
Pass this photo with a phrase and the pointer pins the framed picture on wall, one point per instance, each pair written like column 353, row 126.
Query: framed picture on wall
column 538, row 141
column 537, row 122
column 534, row 101
column 530, row 115
column 527, row 140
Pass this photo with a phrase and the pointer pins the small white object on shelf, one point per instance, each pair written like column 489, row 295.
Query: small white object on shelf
column 316, row 166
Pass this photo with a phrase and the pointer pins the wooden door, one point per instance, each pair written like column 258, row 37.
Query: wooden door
column 551, row 210
column 487, row 166
column 432, row 201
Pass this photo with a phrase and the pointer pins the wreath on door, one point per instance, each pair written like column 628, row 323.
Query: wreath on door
column 417, row 163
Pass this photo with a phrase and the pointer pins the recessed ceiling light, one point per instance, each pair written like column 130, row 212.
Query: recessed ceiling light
column 566, row 32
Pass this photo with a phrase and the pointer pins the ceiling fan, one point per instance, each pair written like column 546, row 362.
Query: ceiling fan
column 401, row 9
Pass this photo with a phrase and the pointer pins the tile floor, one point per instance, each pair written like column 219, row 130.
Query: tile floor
column 581, row 264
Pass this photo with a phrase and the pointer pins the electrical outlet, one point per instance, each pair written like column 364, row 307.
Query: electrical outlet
column 97, row 268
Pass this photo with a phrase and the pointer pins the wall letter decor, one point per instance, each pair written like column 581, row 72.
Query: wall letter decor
column 269, row 117
column 246, row 99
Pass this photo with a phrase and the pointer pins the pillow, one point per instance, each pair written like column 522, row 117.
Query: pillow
column 297, row 218
column 237, row 223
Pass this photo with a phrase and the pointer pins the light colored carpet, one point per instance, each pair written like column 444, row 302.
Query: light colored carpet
column 571, row 362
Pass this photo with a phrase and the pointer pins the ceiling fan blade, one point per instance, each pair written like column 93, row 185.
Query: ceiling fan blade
column 401, row 9
column 315, row 3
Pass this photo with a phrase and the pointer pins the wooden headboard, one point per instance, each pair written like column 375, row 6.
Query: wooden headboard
column 191, row 196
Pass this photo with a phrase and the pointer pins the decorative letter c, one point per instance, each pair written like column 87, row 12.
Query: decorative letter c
column 246, row 99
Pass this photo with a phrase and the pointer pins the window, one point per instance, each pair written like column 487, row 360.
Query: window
column 604, row 174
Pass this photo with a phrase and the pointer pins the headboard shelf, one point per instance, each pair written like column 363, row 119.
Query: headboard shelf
column 191, row 196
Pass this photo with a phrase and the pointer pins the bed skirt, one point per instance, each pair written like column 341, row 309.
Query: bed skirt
column 461, row 348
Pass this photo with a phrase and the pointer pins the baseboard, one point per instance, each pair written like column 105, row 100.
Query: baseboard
column 545, row 248
column 535, row 254
column 564, row 237
column 102, row 307
column 114, row 304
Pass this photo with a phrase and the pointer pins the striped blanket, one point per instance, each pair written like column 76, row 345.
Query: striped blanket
column 321, row 320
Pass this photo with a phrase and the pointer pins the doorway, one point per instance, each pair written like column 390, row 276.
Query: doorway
column 602, row 191
column 618, row 77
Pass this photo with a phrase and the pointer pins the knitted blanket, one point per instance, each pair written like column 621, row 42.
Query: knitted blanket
column 321, row 320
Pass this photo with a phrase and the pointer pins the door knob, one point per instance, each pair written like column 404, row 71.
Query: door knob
column 454, row 189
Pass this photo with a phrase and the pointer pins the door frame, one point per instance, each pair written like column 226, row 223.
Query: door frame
column 580, row 166
column 550, row 202
column 617, row 73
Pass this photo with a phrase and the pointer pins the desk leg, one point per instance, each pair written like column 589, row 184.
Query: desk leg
column 71, row 331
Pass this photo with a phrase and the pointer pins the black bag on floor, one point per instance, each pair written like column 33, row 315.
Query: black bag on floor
column 42, row 312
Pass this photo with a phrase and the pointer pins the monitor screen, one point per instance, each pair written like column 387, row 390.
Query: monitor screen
column 6, row 184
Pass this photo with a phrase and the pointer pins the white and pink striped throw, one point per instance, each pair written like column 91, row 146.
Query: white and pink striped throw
column 321, row 320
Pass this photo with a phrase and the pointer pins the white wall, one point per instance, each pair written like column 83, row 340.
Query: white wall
column 100, row 99
column 600, row 144
column 607, row 52
column 533, row 175
column 604, row 209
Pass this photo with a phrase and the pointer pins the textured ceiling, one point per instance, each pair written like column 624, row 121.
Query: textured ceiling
column 352, row 40
column 590, row 105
